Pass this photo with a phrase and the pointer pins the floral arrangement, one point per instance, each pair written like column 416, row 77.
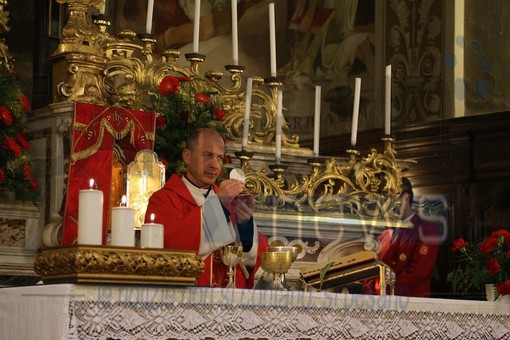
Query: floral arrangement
column 487, row 262
column 183, row 108
column 15, row 162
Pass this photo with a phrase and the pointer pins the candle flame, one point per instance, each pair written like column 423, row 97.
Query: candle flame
column 123, row 201
column 91, row 183
column 152, row 217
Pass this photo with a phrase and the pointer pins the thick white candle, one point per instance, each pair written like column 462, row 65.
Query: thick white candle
column 387, row 102
column 150, row 12
column 355, row 111
column 152, row 235
column 123, row 227
column 247, row 109
column 235, row 48
column 317, row 121
column 196, row 26
column 272, row 39
column 90, row 216
column 278, row 136
column 102, row 10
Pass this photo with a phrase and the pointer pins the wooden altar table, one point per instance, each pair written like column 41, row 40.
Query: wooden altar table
column 87, row 311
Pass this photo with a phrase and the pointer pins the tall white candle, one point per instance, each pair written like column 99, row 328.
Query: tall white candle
column 278, row 136
column 196, row 26
column 123, row 225
column 102, row 10
column 90, row 216
column 317, row 121
column 272, row 39
column 150, row 13
column 387, row 102
column 235, row 48
column 247, row 109
column 355, row 111
column 152, row 235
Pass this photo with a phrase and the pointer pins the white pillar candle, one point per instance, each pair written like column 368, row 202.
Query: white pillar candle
column 355, row 111
column 90, row 216
column 278, row 135
column 317, row 121
column 123, row 225
column 150, row 12
column 235, row 48
column 272, row 39
column 247, row 108
column 387, row 102
column 152, row 235
column 196, row 26
column 102, row 10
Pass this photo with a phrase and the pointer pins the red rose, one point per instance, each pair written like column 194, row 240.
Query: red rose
column 459, row 244
column 504, row 288
column 34, row 185
column 5, row 115
column 160, row 122
column 25, row 103
column 168, row 85
column 492, row 266
column 2, row 175
column 504, row 233
column 488, row 244
column 27, row 171
column 12, row 146
column 203, row 98
column 219, row 113
column 24, row 144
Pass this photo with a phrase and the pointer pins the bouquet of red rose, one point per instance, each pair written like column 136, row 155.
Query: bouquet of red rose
column 479, row 264
column 183, row 107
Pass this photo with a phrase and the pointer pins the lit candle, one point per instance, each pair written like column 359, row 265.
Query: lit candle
column 102, row 10
column 278, row 136
column 387, row 103
column 150, row 12
column 317, row 121
column 355, row 111
column 123, row 225
column 272, row 39
column 235, row 53
column 90, row 216
column 196, row 26
column 152, row 234
column 247, row 108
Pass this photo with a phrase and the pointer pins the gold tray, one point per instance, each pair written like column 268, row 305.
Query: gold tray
column 82, row 263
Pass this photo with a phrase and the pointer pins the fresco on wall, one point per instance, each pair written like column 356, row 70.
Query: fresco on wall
column 326, row 43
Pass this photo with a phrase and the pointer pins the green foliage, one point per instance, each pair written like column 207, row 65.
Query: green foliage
column 15, row 162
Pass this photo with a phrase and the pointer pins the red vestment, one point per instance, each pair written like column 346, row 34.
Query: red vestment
column 175, row 208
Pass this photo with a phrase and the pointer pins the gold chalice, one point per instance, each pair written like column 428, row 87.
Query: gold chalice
column 230, row 256
column 276, row 263
column 293, row 250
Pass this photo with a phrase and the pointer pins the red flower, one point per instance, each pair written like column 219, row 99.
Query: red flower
column 459, row 243
column 203, row 98
column 183, row 79
column 12, row 146
column 34, row 185
column 25, row 103
column 2, row 175
column 504, row 233
column 184, row 115
column 160, row 122
column 24, row 144
column 504, row 288
column 27, row 171
column 168, row 85
column 219, row 113
column 5, row 115
column 488, row 244
column 492, row 266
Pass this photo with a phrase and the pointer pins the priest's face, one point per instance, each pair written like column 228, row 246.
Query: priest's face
column 205, row 159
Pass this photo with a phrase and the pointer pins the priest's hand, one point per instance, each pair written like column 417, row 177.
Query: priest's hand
column 244, row 207
column 228, row 190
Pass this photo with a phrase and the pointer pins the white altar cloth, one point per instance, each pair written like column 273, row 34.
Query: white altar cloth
column 86, row 311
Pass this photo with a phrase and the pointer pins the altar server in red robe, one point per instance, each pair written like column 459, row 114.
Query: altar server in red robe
column 199, row 215
column 410, row 252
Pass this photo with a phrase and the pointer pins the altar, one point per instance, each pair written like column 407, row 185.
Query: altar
column 87, row 311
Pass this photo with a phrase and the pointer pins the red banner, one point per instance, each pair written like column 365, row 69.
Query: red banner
column 96, row 129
